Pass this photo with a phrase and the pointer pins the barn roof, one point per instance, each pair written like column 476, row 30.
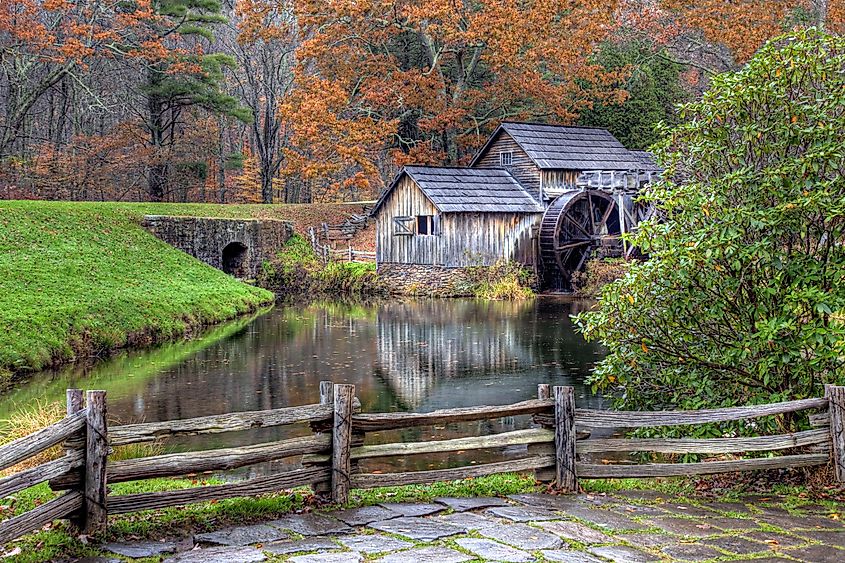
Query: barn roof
column 468, row 190
column 647, row 162
column 567, row 147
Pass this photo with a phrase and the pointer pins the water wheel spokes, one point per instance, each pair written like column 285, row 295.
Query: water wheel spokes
column 577, row 226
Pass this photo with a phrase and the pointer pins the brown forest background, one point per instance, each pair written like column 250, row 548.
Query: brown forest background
column 314, row 101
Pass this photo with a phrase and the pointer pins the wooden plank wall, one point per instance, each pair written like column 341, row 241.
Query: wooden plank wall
column 406, row 200
column 555, row 182
column 465, row 239
column 522, row 167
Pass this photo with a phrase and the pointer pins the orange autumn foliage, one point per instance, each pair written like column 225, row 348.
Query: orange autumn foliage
column 720, row 35
column 383, row 83
column 248, row 182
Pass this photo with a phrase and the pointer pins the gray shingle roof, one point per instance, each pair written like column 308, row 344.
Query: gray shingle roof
column 469, row 190
column 647, row 163
column 570, row 148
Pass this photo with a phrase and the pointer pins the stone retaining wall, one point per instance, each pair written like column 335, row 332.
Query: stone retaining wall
column 415, row 279
column 236, row 246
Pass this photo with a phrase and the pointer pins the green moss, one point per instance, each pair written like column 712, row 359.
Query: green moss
column 81, row 279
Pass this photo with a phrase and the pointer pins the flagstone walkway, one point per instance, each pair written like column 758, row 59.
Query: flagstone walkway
column 635, row 526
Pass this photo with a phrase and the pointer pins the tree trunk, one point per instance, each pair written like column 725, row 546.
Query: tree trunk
column 822, row 11
column 157, row 177
column 221, row 155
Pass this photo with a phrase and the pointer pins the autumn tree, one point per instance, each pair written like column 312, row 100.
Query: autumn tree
column 44, row 43
column 180, row 75
column 428, row 80
column 263, row 41
column 720, row 35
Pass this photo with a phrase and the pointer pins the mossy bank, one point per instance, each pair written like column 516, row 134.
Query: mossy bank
column 78, row 280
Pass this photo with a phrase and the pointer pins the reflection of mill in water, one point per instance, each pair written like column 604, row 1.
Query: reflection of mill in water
column 419, row 345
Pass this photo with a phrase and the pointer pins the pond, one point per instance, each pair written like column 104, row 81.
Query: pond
column 416, row 355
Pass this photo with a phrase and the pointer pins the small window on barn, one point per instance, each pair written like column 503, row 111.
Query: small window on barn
column 506, row 158
column 425, row 224
column 403, row 226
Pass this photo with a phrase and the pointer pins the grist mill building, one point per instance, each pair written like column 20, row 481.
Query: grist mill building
column 546, row 196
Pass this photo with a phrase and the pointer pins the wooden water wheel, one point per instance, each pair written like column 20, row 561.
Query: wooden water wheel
column 577, row 225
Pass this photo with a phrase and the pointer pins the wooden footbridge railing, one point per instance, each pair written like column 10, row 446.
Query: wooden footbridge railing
column 336, row 442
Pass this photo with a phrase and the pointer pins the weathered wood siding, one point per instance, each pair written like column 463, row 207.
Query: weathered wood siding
column 406, row 200
column 464, row 239
column 483, row 238
column 522, row 168
column 555, row 182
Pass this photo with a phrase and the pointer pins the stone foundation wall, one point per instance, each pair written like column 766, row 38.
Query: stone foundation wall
column 207, row 238
column 415, row 279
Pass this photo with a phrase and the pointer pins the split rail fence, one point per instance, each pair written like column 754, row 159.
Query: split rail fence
column 330, row 455
column 326, row 252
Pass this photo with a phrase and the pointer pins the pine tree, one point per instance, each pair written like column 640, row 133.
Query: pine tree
column 183, row 76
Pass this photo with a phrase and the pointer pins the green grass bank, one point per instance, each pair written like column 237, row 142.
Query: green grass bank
column 78, row 280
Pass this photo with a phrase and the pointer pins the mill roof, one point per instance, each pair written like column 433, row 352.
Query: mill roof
column 567, row 147
column 467, row 190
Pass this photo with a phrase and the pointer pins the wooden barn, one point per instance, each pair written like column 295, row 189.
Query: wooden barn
column 546, row 196
column 454, row 217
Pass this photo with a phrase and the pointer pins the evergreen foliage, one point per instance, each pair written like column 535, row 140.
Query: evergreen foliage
column 741, row 300
column 654, row 89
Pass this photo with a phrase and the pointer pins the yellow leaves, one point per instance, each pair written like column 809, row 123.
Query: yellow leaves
column 631, row 299
column 705, row 210
column 644, row 347
column 611, row 378
column 794, row 118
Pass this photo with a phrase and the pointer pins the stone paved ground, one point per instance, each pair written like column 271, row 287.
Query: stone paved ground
column 634, row 527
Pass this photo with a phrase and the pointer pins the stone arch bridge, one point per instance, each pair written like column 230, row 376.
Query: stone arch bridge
column 236, row 246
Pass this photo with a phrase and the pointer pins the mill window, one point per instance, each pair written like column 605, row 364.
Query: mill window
column 506, row 158
column 403, row 226
column 425, row 224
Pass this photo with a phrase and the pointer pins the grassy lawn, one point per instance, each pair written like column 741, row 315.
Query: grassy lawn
column 80, row 279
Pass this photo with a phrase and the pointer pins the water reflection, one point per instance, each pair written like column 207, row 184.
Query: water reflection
column 412, row 355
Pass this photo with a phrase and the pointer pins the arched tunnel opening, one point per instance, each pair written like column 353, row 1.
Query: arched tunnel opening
column 234, row 260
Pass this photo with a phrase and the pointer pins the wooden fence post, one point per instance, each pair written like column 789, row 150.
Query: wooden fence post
column 546, row 474
column 326, row 393
column 544, row 391
column 836, row 408
column 96, row 452
column 75, row 403
column 565, row 475
column 326, row 398
column 342, row 442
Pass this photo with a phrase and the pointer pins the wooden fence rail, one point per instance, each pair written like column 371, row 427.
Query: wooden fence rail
column 558, row 447
column 326, row 252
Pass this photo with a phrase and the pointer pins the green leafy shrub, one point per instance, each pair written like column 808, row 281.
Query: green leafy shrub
column 597, row 274
column 350, row 278
column 503, row 280
column 297, row 271
column 741, row 300
column 292, row 271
